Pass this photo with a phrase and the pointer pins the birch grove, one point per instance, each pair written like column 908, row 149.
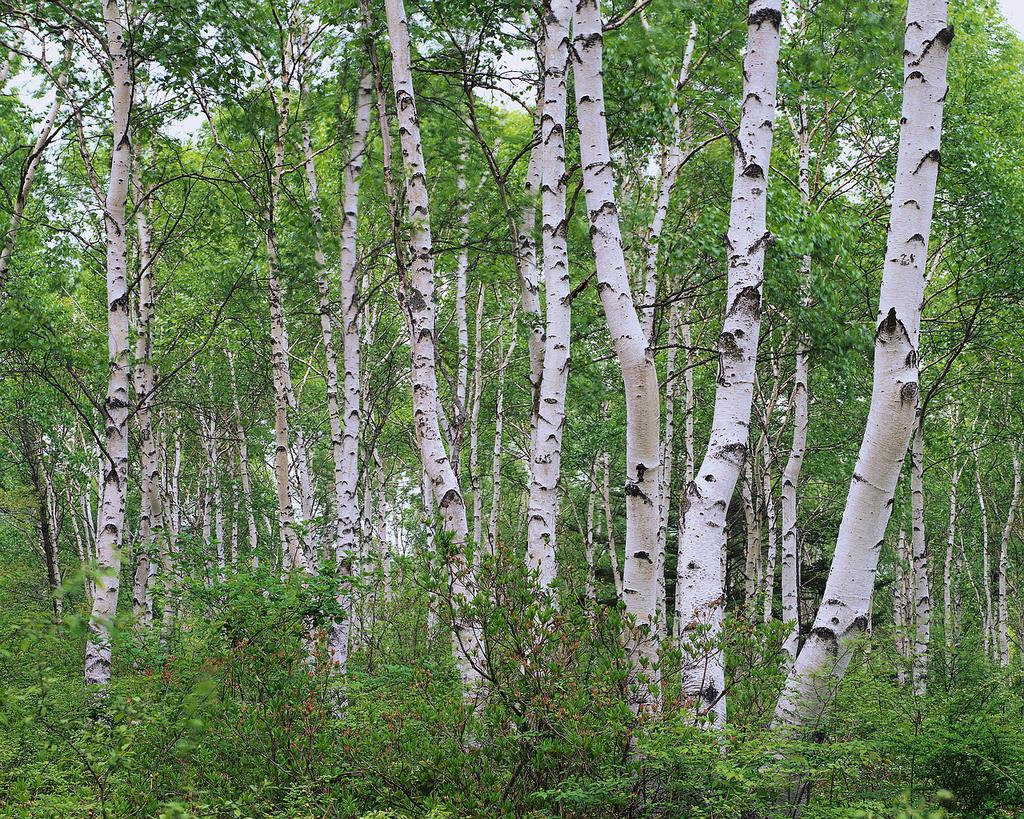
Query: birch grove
column 472, row 402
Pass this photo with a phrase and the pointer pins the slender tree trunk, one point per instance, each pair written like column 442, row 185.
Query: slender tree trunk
column 588, row 537
column 150, row 503
column 891, row 416
column 986, row 563
column 43, row 139
column 665, row 493
column 922, row 596
column 444, row 483
column 474, row 426
column 671, row 156
column 243, row 463
column 752, row 520
column 1004, row 565
column 770, row 535
column 688, row 445
column 636, row 359
column 546, row 455
column 460, row 410
column 609, row 526
column 117, row 403
column 902, row 592
column 499, row 420
column 709, row 495
column 948, row 617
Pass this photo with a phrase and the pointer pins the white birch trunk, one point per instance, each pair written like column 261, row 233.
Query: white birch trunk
column 474, row 424
column 588, row 537
column 710, row 493
column 421, row 303
column 546, row 454
column 665, row 493
column 114, row 485
column 636, row 360
column 688, row 447
column 771, row 533
column 891, row 417
column 922, row 601
column 609, row 526
column 1004, row 565
column 499, row 420
column 948, row 617
column 243, row 463
column 902, row 591
column 794, row 463
column 986, row 564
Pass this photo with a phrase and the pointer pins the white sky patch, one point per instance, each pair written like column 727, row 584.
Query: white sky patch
column 1013, row 10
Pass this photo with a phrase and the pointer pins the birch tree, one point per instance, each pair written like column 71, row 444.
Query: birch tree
column 546, row 457
column 708, row 496
column 444, row 484
column 117, row 404
column 636, row 360
column 892, row 412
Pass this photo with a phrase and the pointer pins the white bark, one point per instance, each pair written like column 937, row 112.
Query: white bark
column 922, row 596
column 902, row 591
column 150, row 503
column 609, row 526
column 770, row 535
column 243, row 463
column 986, row 564
column 499, row 420
column 1004, row 565
column 588, row 536
column 688, row 447
column 546, row 455
column 709, row 495
column 665, row 493
column 444, row 483
column 891, row 417
column 636, row 360
column 948, row 618
column 461, row 285
column 117, row 402
column 474, row 424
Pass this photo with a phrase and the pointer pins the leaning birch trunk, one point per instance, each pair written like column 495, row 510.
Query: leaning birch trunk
column 922, row 601
column 546, row 457
column 243, row 464
column 114, row 487
column 842, row 615
column 1004, row 566
column 636, row 359
column 948, row 619
column 444, row 483
column 709, row 495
